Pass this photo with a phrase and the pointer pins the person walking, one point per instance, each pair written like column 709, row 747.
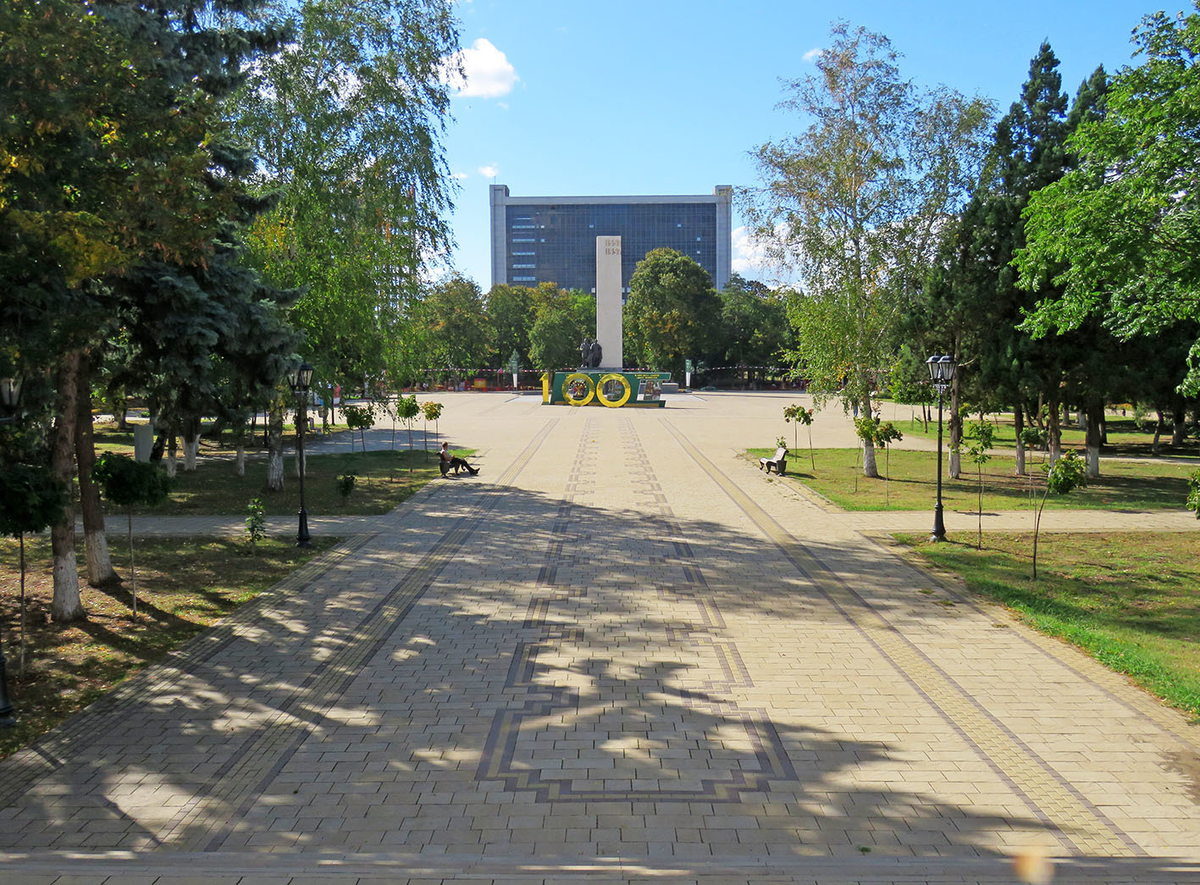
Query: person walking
column 453, row 462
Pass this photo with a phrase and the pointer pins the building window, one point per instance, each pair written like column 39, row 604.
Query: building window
column 524, row 266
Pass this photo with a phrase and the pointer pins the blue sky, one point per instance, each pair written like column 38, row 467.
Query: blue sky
column 670, row 96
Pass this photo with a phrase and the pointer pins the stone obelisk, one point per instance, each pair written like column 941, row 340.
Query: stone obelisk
column 608, row 302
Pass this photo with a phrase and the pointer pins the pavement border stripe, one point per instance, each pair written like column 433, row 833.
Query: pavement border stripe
column 1042, row 788
column 258, row 761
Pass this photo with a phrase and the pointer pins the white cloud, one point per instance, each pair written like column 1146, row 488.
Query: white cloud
column 490, row 171
column 750, row 260
column 749, row 256
column 460, row 176
column 813, row 54
column 485, row 71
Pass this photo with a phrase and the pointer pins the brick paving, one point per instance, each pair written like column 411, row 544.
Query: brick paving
column 617, row 655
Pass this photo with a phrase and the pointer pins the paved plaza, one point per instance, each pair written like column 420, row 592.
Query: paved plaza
column 618, row 654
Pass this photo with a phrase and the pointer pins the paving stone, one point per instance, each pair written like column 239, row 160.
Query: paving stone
column 620, row 642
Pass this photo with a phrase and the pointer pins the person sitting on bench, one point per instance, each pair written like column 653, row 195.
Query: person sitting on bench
column 453, row 462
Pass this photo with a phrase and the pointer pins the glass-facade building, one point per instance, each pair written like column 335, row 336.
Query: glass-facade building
column 553, row 239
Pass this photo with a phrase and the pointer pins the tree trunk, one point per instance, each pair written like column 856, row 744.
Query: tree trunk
column 870, row 468
column 65, row 604
column 275, row 448
column 100, row 571
column 1018, row 427
column 191, row 444
column 172, row 456
column 241, row 459
column 1094, row 413
column 1053, row 433
column 1083, row 417
column 1158, row 429
column 956, row 428
column 1179, row 424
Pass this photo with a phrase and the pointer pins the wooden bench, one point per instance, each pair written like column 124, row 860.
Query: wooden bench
column 779, row 462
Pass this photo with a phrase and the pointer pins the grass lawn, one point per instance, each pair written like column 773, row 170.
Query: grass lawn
column 1123, row 485
column 1132, row 601
column 184, row 585
column 385, row 479
column 1125, row 438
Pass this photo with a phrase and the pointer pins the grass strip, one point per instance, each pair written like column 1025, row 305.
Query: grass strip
column 184, row 586
column 1123, row 485
column 1130, row 600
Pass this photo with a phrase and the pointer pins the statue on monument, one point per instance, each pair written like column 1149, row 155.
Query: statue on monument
column 590, row 353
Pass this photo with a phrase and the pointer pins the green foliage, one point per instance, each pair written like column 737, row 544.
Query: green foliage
column 672, row 311
column 460, row 333
column 780, row 442
column 1033, row 438
column 562, row 320
column 855, row 203
column 359, row 417
column 33, row 499
column 407, row 408
column 128, row 483
column 877, row 432
column 1065, row 475
column 1068, row 473
column 798, row 414
column 345, row 485
column 348, row 128
column 804, row 416
column 1123, row 246
column 1193, row 498
column 256, row 522
column 753, row 330
column 432, row 410
column 511, row 315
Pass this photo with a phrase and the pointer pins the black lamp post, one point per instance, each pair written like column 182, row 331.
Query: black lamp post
column 10, row 405
column 941, row 372
column 299, row 380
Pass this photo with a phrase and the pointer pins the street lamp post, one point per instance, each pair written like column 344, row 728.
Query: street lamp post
column 299, row 380
column 941, row 372
column 10, row 405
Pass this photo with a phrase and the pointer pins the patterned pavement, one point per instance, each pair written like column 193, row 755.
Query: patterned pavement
column 617, row 655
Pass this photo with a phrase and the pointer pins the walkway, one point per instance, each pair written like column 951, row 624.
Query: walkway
column 619, row 654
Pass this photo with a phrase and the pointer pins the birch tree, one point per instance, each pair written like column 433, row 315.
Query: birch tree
column 853, row 205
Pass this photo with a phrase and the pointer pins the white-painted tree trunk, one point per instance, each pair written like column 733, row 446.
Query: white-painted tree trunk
column 241, row 459
column 191, row 450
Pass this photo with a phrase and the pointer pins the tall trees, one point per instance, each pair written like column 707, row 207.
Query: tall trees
column 348, row 125
column 976, row 291
column 855, row 203
column 459, row 331
column 753, row 330
column 1119, row 234
column 672, row 311
column 561, row 320
column 110, row 155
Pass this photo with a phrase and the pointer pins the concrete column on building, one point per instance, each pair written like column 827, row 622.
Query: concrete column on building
column 499, row 206
column 724, row 195
column 608, row 301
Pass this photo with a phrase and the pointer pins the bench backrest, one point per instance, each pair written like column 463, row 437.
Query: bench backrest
column 780, row 455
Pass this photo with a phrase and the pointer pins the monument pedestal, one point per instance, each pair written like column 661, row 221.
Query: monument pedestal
column 604, row 387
